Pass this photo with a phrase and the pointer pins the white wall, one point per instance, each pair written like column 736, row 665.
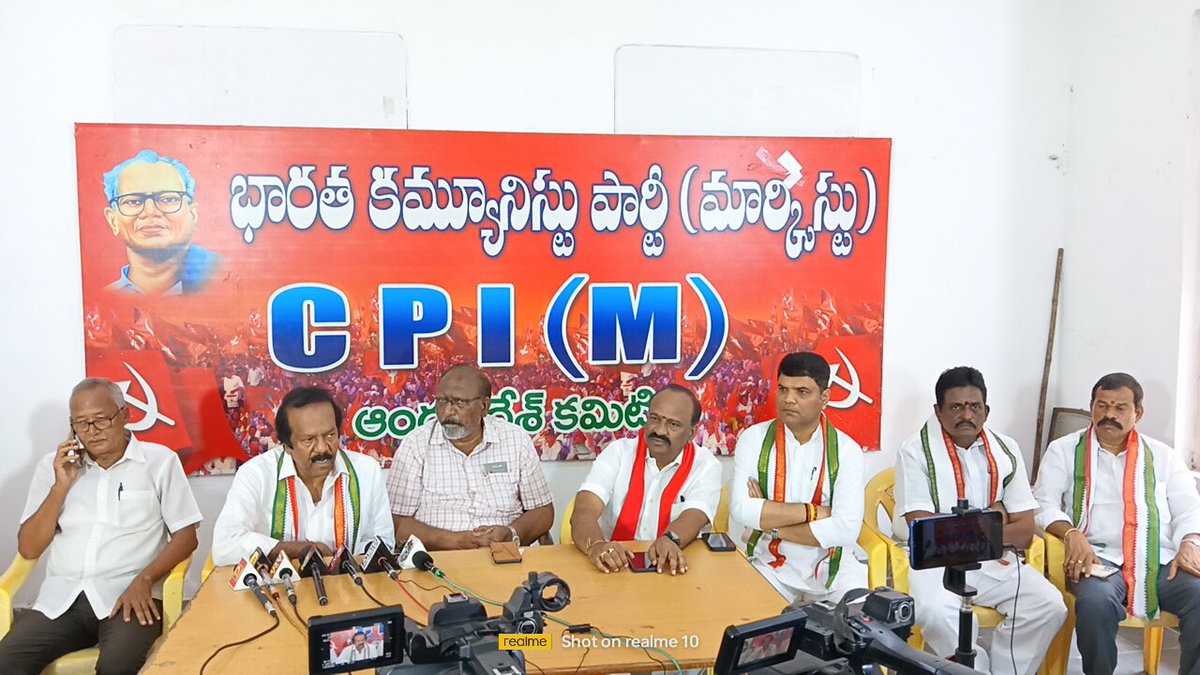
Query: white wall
column 975, row 95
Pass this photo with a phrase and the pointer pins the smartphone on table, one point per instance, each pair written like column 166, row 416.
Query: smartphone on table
column 640, row 563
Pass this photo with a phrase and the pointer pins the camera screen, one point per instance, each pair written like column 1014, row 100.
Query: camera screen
column 356, row 641
column 356, row 645
column 766, row 646
column 945, row 540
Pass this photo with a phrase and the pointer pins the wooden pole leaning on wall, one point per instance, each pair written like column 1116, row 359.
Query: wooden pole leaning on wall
column 1041, row 412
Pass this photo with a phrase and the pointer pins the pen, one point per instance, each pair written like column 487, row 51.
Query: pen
column 120, row 487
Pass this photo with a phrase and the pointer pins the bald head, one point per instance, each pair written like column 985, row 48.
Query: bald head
column 467, row 374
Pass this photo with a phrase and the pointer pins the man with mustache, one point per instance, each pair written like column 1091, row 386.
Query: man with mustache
column 659, row 487
column 798, row 485
column 1120, row 499
column 307, row 491
column 955, row 457
column 152, row 209
column 467, row 479
column 111, row 515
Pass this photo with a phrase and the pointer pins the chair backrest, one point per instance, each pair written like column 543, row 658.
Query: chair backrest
column 10, row 582
column 880, row 492
column 565, row 531
column 1066, row 420
column 721, row 521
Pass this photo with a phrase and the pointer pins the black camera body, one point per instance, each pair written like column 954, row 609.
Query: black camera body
column 460, row 638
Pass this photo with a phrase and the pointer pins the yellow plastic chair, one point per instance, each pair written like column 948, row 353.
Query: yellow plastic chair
column 1060, row 649
column 84, row 660
column 565, row 532
column 721, row 521
column 207, row 569
column 880, row 492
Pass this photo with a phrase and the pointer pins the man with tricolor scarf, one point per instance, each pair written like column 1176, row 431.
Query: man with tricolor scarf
column 1120, row 499
column 798, row 488
column 659, row 487
column 308, row 491
column 954, row 456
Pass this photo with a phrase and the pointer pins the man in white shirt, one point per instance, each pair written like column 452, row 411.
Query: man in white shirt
column 954, row 457
column 798, row 485
column 467, row 479
column 1120, row 499
column 358, row 650
column 100, row 508
column 659, row 487
column 307, row 492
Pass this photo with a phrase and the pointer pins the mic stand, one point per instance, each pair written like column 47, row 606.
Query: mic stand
column 955, row 581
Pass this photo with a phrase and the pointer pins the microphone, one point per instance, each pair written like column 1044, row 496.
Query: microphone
column 262, row 564
column 283, row 572
column 424, row 561
column 349, row 565
column 405, row 553
column 246, row 575
column 311, row 565
column 378, row 558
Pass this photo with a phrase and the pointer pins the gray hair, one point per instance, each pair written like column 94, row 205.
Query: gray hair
column 87, row 383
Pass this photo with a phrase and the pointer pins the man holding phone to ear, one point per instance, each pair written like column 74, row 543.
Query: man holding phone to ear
column 1118, row 498
column 112, row 515
column 954, row 457
column 659, row 487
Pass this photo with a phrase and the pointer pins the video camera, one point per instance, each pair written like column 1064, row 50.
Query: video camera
column 460, row 638
column 827, row 639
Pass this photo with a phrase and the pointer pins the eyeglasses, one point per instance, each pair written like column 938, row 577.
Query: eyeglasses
column 100, row 423
column 166, row 201
column 454, row 402
column 957, row 408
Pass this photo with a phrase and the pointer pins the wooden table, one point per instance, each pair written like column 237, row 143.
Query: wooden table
column 719, row 590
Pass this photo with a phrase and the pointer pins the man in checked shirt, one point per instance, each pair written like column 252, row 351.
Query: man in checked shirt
column 466, row 479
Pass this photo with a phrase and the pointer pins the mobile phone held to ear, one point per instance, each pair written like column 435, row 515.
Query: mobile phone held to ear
column 719, row 542
column 639, row 563
column 505, row 553
column 73, row 455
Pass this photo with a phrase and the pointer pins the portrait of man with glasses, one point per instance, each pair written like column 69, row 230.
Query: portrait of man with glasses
column 152, row 209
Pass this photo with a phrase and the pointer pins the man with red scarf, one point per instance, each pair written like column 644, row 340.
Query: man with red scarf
column 659, row 487
column 798, row 487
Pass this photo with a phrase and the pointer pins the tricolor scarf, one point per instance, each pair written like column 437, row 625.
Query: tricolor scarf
column 631, row 510
column 285, row 520
column 1141, row 535
column 946, row 493
column 772, row 480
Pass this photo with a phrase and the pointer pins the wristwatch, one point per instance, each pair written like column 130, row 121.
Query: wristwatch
column 516, row 537
column 673, row 537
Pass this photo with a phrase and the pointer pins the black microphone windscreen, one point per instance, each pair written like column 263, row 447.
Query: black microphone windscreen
column 423, row 561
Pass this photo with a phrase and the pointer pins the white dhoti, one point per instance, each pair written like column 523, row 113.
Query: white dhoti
column 1032, row 618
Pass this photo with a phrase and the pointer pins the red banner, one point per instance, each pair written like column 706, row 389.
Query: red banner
column 223, row 266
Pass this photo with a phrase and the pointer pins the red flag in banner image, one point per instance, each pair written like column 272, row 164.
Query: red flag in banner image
column 154, row 413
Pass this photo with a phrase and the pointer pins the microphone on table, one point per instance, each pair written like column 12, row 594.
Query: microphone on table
column 423, row 561
column 378, row 558
column 283, row 572
column 261, row 562
column 246, row 575
column 347, row 564
column 312, row 565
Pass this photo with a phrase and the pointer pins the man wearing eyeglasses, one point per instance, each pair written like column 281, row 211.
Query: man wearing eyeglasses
column 955, row 457
column 112, row 515
column 152, row 208
column 309, row 491
column 659, row 487
column 467, row 479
